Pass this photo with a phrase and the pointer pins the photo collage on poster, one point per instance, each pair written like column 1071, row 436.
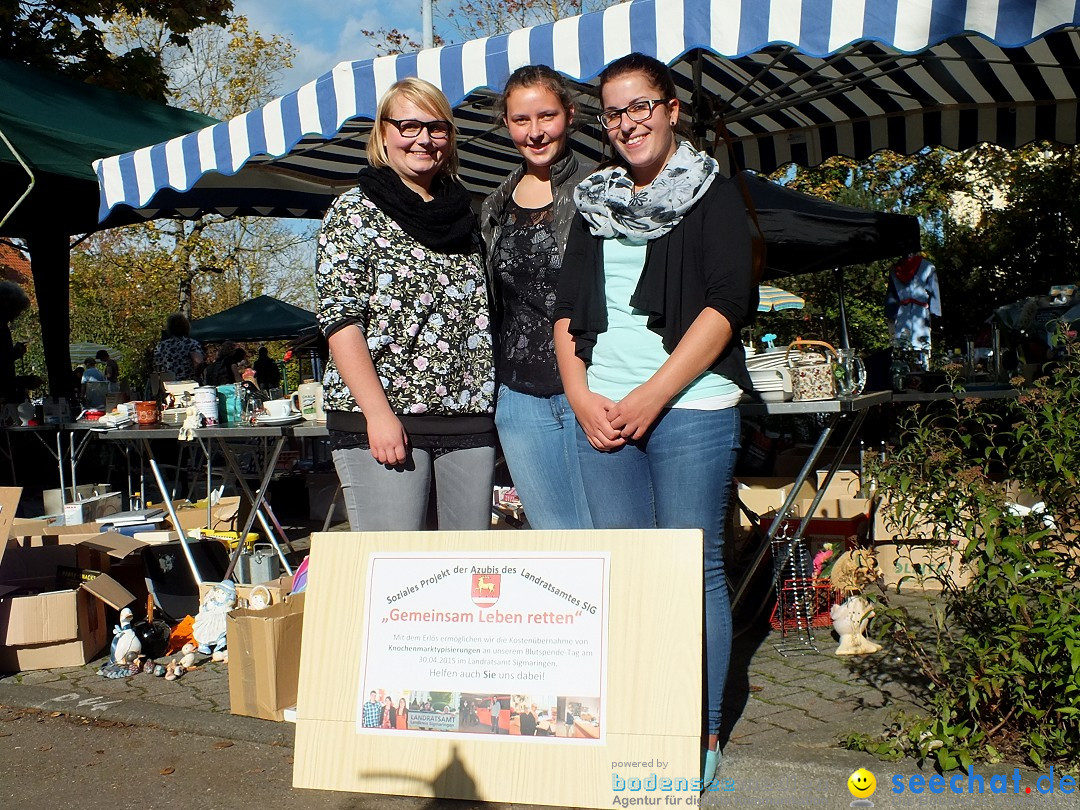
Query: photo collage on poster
column 515, row 715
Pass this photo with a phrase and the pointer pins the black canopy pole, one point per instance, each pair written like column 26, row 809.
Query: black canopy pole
column 49, row 262
column 845, row 342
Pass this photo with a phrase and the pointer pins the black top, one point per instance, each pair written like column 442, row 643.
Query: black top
column 703, row 262
column 267, row 373
column 526, row 263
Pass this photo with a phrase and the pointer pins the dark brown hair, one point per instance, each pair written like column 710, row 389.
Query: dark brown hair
column 178, row 325
column 656, row 71
column 658, row 74
column 531, row 76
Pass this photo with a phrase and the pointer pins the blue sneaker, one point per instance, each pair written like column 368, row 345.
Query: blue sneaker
column 710, row 761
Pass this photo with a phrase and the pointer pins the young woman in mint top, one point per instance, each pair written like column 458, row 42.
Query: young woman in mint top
column 656, row 284
column 525, row 223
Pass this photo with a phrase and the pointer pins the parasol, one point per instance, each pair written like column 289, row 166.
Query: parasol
column 771, row 299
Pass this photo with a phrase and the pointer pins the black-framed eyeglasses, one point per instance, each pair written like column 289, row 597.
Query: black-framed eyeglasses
column 637, row 112
column 409, row 127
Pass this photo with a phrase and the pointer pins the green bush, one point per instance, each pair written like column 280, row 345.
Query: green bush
column 1003, row 653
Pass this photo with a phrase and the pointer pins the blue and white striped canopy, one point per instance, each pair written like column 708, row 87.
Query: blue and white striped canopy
column 793, row 80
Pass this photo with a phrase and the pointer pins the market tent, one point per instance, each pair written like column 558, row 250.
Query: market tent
column 805, row 234
column 799, row 80
column 53, row 129
column 78, row 352
column 261, row 318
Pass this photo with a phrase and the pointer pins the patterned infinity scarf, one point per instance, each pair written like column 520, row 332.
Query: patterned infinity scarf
column 612, row 208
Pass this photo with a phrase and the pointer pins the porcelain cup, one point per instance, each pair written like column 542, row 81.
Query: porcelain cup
column 279, row 408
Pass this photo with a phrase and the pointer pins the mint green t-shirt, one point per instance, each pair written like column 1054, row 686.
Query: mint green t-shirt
column 628, row 353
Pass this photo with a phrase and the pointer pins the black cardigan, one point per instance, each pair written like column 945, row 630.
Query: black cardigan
column 705, row 261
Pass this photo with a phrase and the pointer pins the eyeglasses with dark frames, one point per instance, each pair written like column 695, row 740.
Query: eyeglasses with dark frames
column 637, row 112
column 409, row 127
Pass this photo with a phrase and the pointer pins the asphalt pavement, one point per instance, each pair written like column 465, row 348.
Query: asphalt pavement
column 788, row 702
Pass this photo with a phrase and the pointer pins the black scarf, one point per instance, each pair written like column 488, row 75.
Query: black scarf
column 446, row 223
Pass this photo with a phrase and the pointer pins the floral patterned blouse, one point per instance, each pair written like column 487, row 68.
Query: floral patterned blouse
column 425, row 314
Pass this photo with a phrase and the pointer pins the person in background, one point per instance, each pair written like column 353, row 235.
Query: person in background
column 525, row 223
column 372, row 711
column 267, row 373
column 410, row 385
column 178, row 352
column 13, row 302
column 109, row 367
column 657, row 282
column 239, row 364
column 527, row 722
column 402, row 722
column 91, row 373
column 220, row 371
column 389, row 714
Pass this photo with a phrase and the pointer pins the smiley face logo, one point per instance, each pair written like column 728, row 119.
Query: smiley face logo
column 862, row 784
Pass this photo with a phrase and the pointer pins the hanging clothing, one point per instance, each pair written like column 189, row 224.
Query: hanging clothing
column 912, row 298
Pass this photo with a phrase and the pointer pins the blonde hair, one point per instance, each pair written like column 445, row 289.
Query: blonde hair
column 427, row 97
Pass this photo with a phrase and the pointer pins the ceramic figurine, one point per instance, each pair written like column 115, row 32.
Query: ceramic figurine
column 849, row 622
column 125, row 645
column 208, row 629
column 188, row 659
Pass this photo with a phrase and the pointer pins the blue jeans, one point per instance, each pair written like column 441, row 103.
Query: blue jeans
column 678, row 476
column 538, row 437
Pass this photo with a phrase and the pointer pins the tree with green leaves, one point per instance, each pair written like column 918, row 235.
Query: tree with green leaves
column 221, row 72
column 70, row 37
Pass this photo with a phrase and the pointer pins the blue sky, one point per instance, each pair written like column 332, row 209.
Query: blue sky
column 325, row 33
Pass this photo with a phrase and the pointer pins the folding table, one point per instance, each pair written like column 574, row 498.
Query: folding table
column 141, row 436
column 848, row 414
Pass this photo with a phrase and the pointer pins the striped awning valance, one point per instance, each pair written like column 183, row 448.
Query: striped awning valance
column 792, row 80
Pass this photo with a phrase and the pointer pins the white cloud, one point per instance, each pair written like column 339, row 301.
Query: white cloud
column 325, row 33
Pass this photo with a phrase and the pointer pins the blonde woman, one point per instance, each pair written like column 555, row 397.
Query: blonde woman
column 410, row 386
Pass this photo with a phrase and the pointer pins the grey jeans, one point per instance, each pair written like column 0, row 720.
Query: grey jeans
column 380, row 498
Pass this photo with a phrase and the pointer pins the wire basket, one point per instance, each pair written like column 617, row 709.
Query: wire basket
column 804, row 602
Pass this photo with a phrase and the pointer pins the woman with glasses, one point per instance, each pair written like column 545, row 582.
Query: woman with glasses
column 403, row 302
column 525, row 223
column 657, row 283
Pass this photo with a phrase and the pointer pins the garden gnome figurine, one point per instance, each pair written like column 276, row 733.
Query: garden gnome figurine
column 208, row 629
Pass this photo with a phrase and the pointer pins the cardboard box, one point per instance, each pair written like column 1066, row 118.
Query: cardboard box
column 913, row 565
column 43, row 625
column 264, row 658
column 763, row 497
column 223, row 515
column 54, row 503
column 90, row 509
column 844, row 485
column 844, row 522
column 789, row 462
column 279, row 588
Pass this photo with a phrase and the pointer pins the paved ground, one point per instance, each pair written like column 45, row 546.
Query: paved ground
column 785, row 713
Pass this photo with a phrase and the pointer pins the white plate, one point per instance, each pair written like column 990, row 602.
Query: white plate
column 278, row 420
column 760, row 362
column 775, row 396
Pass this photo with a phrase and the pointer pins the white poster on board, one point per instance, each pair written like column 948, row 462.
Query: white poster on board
column 511, row 646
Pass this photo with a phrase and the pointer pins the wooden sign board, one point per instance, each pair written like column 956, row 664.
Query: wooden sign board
column 374, row 599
